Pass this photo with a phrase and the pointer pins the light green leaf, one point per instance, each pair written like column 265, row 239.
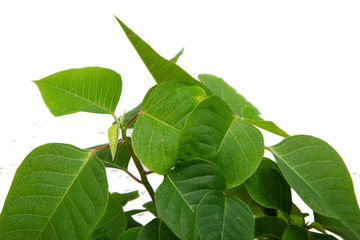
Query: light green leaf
column 58, row 192
column 213, row 133
column 161, row 69
column 293, row 232
column 221, row 217
column 179, row 194
column 112, row 224
column 318, row 174
column 272, row 227
column 335, row 226
column 121, row 159
column 124, row 198
column 176, row 58
column 130, row 234
column 269, row 188
column 113, row 135
column 160, row 122
column 90, row 89
column 156, row 230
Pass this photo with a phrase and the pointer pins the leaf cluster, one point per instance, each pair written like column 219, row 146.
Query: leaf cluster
column 204, row 138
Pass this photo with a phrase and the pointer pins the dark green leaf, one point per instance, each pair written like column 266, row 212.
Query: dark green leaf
column 124, row 198
column 161, row 69
column 131, row 223
column 317, row 226
column 134, row 212
column 160, row 122
column 222, row 217
column 269, row 227
column 268, row 187
column 91, row 89
column 335, row 226
column 213, row 133
column 130, row 234
column 293, row 232
column 112, row 224
column 318, row 174
column 156, row 230
column 179, row 194
column 150, row 206
column 319, row 236
column 58, row 192
column 121, row 159
column 176, row 58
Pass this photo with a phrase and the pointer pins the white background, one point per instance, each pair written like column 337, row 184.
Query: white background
column 297, row 61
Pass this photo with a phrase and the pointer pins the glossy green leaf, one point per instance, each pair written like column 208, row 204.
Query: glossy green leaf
column 120, row 161
column 177, row 56
column 179, row 194
column 161, row 69
column 58, row 192
column 335, row 226
column 269, row 227
column 156, row 230
column 112, row 224
column 160, row 122
column 124, row 198
column 213, row 133
column 130, row 234
column 318, row 174
column 293, row 232
column 90, row 89
column 222, row 217
column 319, row 236
column 268, row 187
column 113, row 135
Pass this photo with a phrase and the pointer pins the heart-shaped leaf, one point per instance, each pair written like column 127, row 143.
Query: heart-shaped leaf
column 90, row 89
column 58, row 192
column 318, row 174
column 221, row 217
column 213, row 133
column 156, row 230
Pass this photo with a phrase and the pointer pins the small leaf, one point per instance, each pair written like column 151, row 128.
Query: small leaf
column 131, row 223
column 112, row 224
column 213, row 133
column 268, row 187
column 124, row 198
column 272, row 227
column 181, row 191
column 176, row 58
column 121, row 159
column 156, row 230
column 130, row 234
column 58, row 192
column 161, row 69
column 317, row 226
column 113, row 135
column 220, row 217
column 150, row 206
column 129, row 115
column 160, row 122
column 318, row 174
column 293, row 232
column 91, row 89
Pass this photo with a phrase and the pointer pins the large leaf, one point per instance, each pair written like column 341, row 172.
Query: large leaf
column 161, row 69
column 156, row 230
column 181, row 191
column 213, row 133
column 121, row 159
column 91, row 89
column 160, row 122
column 220, row 217
column 334, row 226
column 269, row 188
column 58, row 192
column 272, row 227
column 112, row 224
column 318, row 174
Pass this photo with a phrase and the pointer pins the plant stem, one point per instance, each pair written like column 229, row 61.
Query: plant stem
column 131, row 120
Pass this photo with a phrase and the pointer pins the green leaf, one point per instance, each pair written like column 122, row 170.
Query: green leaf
column 176, row 58
column 319, row 236
column 134, row 212
column 121, row 159
column 150, row 206
column 317, row 226
column 161, row 69
column 113, row 135
column 160, row 122
column 335, row 226
column 91, row 89
column 58, row 192
column 318, row 174
column 272, row 227
column 268, row 187
column 130, row 234
column 124, row 198
column 156, row 230
column 293, row 232
column 131, row 223
column 179, row 194
column 213, row 133
column 221, row 217
column 112, row 224
column 129, row 115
